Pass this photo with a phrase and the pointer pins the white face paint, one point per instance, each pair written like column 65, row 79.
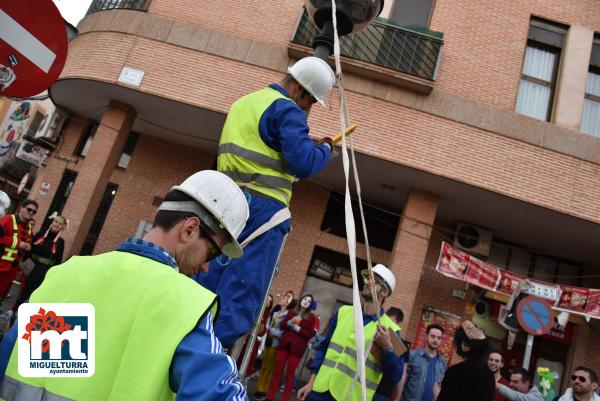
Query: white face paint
column 306, row 301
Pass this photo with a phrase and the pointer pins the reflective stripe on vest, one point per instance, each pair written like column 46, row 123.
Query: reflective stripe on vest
column 14, row 390
column 243, row 155
column 10, row 251
column 352, row 354
column 348, row 371
column 251, row 155
column 133, row 296
column 42, row 260
column 337, row 372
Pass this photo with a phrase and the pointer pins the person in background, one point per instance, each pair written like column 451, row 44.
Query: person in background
column 469, row 380
column 521, row 387
column 298, row 328
column 4, row 203
column 426, row 368
column 390, row 388
column 584, row 383
column 48, row 248
column 287, row 302
column 16, row 241
column 495, row 363
column 334, row 362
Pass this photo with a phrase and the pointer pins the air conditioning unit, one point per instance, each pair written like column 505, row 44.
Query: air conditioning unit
column 473, row 239
column 51, row 126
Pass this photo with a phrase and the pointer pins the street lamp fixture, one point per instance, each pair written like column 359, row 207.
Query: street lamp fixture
column 352, row 16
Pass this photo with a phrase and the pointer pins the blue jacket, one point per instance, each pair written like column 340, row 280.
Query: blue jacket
column 416, row 374
column 283, row 128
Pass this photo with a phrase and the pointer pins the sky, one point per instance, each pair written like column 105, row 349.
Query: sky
column 73, row 10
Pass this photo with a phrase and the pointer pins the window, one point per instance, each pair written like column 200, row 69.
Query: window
column 540, row 66
column 35, row 124
column 86, row 140
column 130, row 143
column 334, row 266
column 590, row 119
column 381, row 225
column 60, row 197
column 412, row 13
column 534, row 265
column 92, row 236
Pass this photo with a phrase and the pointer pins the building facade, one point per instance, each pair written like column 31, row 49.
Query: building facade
column 471, row 114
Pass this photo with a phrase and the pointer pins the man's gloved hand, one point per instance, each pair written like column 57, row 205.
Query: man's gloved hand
column 296, row 328
column 290, row 323
column 327, row 141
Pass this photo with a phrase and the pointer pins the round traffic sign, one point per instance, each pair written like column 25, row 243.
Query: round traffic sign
column 535, row 315
column 33, row 46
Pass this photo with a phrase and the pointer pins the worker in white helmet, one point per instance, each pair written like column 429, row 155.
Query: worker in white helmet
column 264, row 148
column 153, row 326
column 334, row 363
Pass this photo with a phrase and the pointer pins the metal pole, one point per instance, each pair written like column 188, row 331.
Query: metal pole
column 528, row 349
column 253, row 335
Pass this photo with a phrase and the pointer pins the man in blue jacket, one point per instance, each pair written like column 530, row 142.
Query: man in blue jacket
column 180, row 355
column 265, row 148
column 426, row 368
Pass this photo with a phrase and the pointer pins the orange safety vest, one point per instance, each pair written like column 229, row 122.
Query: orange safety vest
column 12, row 253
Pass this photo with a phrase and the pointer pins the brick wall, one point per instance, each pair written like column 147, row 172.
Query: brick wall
column 484, row 43
column 387, row 130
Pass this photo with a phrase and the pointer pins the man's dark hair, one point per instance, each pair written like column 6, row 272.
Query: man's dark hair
column 289, row 79
column 434, row 326
column 167, row 219
column 495, row 351
column 525, row 375
column 591, row 372
column 28, row 202
column 395, row 312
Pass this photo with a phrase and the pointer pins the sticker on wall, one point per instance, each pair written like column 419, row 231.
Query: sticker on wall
column 44, row 187
column 7, row 77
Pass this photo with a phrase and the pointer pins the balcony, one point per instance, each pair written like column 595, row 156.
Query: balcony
column 408, row 58
column 101, row 5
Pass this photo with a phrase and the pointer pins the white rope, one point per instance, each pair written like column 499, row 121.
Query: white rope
column 361, row 353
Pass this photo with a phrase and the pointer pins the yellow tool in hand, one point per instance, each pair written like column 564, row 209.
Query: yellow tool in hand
column 349, row 130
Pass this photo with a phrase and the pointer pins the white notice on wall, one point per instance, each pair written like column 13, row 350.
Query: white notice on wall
column 131, row 76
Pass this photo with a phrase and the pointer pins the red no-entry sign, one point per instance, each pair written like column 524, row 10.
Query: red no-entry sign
column 33, row 46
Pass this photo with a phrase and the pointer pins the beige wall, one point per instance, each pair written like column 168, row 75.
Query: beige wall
column 572, row 79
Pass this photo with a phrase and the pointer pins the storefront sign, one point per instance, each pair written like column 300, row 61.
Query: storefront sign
column 31, row 153
column 561, row 334
column 460, row 265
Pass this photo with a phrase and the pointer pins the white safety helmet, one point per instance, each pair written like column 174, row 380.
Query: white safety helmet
column 385, row 274
column 314, row 75
column 4, row 203
column 223, row 208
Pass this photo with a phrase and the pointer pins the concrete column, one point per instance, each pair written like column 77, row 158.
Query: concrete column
column 95, row 172
column 573, row 77
column 410, row 248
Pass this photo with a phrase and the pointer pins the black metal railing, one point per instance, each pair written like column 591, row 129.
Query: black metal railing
column 385, row 45
column 101, row 5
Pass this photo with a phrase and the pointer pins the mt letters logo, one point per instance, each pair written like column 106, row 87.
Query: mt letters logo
column 56, row 340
